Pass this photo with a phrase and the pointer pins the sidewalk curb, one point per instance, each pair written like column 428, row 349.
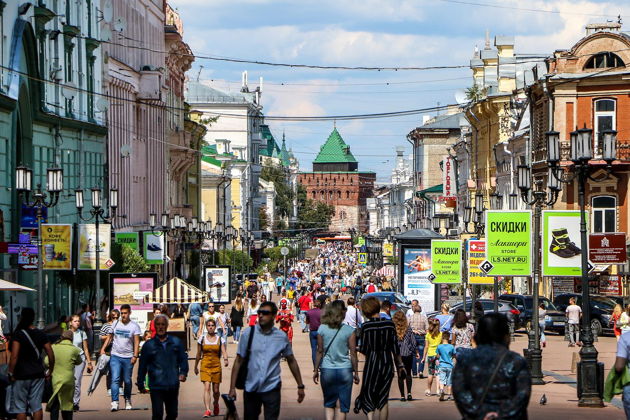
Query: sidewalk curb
column 572, row 383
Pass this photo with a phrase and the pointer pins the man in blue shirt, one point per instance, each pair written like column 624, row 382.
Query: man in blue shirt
column 166, row 362
column 195, row 312
column 262, row 386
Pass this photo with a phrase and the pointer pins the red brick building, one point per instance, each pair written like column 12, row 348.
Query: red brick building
column 336, row 180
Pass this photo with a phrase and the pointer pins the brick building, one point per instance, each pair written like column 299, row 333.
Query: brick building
column 336, row 180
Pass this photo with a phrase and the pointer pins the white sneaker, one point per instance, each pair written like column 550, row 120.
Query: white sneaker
column 114, row 406
column 128, row 405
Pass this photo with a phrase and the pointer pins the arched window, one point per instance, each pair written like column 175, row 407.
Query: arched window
column 339, row 195
column 330, row 194
column 604, row 60
column 604, row 214
column 322, row 195
column 605, row 119
column 314, row 195
column 342, row 215
column 347, row 194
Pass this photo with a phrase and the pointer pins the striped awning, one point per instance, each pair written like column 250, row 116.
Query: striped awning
column 386, row 271
column 178, row 291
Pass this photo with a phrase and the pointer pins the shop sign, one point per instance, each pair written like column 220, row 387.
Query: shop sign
column 446, row 261
column 130, row 239
column 449, row 189
column 508, row 242
column 561, row 246
column 610, row 285
column 607, row 248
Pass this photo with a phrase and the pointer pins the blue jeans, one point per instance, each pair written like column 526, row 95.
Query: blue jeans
column 337, row 386
column 237, row 333
column 626, row 400
column 194, row 320
column 417, row 367
column 120, row 367
column 312, row 335
column 302, row 319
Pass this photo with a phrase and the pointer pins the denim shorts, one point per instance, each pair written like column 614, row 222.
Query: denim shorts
column 25, row 396
column 337, row 385
column 444, row 375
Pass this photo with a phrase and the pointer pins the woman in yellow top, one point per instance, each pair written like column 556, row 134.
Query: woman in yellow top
column 209, row 350
column 433, row 340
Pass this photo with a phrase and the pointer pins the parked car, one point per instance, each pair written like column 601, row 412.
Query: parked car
column 601, row 310
column 505, row 307
column 554, row 319
column 622, row 300
column 398, row 301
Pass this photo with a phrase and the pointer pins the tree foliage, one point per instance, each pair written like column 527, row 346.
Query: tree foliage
column 284, row 193
column 313, row 214
column 234, row 258
column 475, row 93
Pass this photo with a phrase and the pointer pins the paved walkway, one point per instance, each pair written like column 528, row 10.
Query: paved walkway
column 560, row 391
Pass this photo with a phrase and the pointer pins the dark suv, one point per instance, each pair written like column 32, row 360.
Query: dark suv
column 554, row 319
column 601, row 310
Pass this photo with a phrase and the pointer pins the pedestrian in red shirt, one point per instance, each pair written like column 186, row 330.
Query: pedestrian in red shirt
column 285, row 319
column 304, row 304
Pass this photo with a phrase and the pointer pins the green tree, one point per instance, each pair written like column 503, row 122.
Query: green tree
column 475, row 93
column 275, row 256
column 234, row 258
column 284, row 193
column 312, row 214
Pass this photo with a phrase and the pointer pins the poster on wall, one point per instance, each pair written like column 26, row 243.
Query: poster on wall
column 217, row 281
column 134, row 289
column 509, row 243
column 561, row 246
column 416, row 271
column 130, row 239
column 87, row 246
column 153, row 247
column 446, row 261
column 57, row 247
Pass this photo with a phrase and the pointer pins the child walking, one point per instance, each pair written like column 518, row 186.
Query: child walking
column 446, row 354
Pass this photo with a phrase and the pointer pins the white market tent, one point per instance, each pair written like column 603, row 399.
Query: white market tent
column 177, row 290
column 7, row 286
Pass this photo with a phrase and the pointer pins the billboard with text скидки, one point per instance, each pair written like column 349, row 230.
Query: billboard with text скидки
column 509, row 242
column 446, row 261
column 416, row 271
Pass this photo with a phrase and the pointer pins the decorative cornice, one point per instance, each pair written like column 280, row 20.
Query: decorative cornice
column 91, row 44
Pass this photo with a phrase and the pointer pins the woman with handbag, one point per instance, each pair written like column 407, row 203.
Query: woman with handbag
column 490, row 381
column 67, row 358
column 336, row 360
column 209, row 352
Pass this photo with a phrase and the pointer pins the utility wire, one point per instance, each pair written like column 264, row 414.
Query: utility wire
column 526, row 9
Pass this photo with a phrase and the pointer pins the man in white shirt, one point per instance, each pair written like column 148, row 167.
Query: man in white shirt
column 125, row 337
column 411, row 310
column 574, row 313
column 353, row 315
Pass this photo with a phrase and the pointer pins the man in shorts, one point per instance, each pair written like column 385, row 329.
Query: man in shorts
column 26, row 368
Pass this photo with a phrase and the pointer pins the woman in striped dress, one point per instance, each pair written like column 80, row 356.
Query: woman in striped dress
column 380, row 347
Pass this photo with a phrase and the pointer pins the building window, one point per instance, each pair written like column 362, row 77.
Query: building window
column 604, row 214
column 314, row 197
column 604, row 60
column 339, row 195
column 330, row 194
column 605, row 119
column 323, row 195
column 342, row 215
column 347, row 194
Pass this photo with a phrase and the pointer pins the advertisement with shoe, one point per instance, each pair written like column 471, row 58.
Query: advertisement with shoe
column 562, row 248
column 153, row 248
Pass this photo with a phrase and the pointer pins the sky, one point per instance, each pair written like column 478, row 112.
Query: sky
column 380, row 33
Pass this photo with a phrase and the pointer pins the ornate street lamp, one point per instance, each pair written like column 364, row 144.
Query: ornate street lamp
column 98, row 214
column 582, row 170
column 40, row 199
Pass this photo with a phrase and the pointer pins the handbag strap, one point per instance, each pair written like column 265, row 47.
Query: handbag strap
column 32, row 343
column 249, row 343
column 494, row 374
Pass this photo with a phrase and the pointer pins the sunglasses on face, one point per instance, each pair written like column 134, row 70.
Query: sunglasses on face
column 264, row 312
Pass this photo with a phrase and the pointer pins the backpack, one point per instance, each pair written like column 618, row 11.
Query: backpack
column 371, row 288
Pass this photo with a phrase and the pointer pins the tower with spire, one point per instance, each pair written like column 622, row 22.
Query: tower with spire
column 337, row 181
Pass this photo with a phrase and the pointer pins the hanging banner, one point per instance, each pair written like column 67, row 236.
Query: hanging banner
column 153, row 247
column 508, row 242
column 388, row 249
column 131, row 239
column 87, row 246
column 446, row 261
column 561, row 245
column 57, row 247
column 134, row 289
column 476, row 256
column 449, row 189
column 218, row 284
column 416, row 271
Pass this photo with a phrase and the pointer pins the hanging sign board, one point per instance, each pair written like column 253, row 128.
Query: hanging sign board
column 57, row 247
column 561, row 245
column 476, row 256
column 128, row 238
column 446, row 261
column 153, row 247
column 607, row 248
column 88, row 244
column 509, row 242
column 449, row 189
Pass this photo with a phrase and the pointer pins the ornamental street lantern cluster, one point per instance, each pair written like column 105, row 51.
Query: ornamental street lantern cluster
column 583, row 150
column 38, row 200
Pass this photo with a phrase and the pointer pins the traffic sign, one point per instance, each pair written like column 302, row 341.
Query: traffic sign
column 486, row 266
column 362, row 258
column 284, row 251
column 431, row 277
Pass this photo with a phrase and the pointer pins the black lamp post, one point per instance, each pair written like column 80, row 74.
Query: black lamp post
column 98, row 214
column 40, row 199
column 589, row 378
column 539, row 198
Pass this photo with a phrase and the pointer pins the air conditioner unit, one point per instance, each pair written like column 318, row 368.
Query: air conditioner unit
column 453, row 232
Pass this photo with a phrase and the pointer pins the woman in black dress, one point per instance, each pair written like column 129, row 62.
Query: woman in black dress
column 380, row 347
column 236, row 318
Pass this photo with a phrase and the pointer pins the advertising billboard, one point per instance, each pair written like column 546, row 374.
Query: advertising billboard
column 509, row 242
column 134, row 289
column 153, row 247
column 446, row 261
column 87, row 246
column 416, row 272
column 561, row 246
column 57, row 247
column 217, row 281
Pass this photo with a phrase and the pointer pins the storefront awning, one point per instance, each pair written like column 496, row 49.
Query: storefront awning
column 178, row 291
